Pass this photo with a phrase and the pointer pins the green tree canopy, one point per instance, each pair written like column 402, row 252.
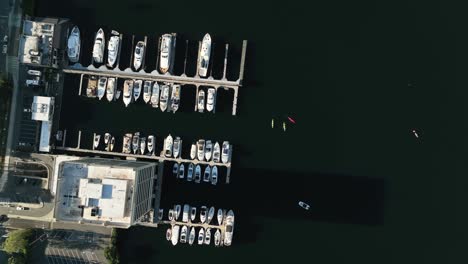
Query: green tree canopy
column 18, row 241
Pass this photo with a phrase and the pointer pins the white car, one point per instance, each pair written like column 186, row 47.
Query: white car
column 34, row 72
column 304, row 205
column 33, row 81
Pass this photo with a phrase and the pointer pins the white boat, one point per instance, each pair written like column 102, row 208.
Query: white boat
column 304, row 205
column 207, row 174
column 185, row 214
column 197, row 174
column 155, row 95
column 150, row 144
column 210, row 216
column 226, row 152
column 168, row 146
column 147, row 91
column 208, row 150
column 220, row 216
column 191, row 236
column 169, row 234
column 229, row 228
column 164, row 97
column 107, row 137
column 137, row 89
column 175, row 234
column 214, row 175
column 118, row 92
column 110, row 89
column 160, row 213
column 128, row 92
column 193, row 151
column 175, row 169
column 201, row 101
column 74, row 45
column 142, row 145
column 177, row 211
column 190, row 172
column 217, row 238
column 193, row 213
column 204, row 55
column 127, row 142
column 166, row 52
column 112, row 144
column 177, row 147
column 113, row 48
column 203, row 211
column 91, row 89
column 99, row 45
column 181, row 171
column 96, row 140
column 216, row 152
column 201, row 149
column 207, row 236
column 210, row 99
column 170, row 214
column 183, row 235
column 136, row 142
column 102, row 83
column 201, row 236
column 139, row 55
column 175, row 97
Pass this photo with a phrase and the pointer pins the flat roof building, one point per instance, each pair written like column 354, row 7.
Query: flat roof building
column 42, row 109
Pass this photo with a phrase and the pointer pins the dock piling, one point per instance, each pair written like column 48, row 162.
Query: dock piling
column 81, row 85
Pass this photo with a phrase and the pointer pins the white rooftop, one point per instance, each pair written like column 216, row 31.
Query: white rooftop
column 42, row 108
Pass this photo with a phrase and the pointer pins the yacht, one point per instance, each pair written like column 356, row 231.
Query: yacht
column 190, row 172
column 210, row 216
column 226, row 152
column 155, row 95
column 304, row 205
column 150, row 144
column 207, row 174
column 201, row 101
column 175, row 169
column 191, row 236
column 204, row 56
column 91, row 90
column 193, row 213
column 185, row 214
column 229, row 228
column 169, row 234
column 136, row 142
column 203, row 211
column 208, row 236
column 101, row 90
column 164, row 97
column 201, row 236
column 208, row 150
column 177, row 147
column 220, row 216
column 127, row 140
column 110, row 89
column 98, row 48
column 112, row 144
column 97, row 138
column 210, row 99
column 193, row 151
column 74, row 45
column 175, row 98
column 168, row 146
column 183, row 235
column 217, row 238
column 142, row 145
column 181, row 171
column 197, row 174
column 166, row 52
column 216, row 152
column 147, row 91
column 139, row 55
column 201, row 149
column 177, row 212
column 137, row 89
column 128, row 92
column 175, row 234
column 214, row 175
column 113, row 49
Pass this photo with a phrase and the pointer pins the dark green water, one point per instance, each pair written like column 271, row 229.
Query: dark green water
column 358, row 78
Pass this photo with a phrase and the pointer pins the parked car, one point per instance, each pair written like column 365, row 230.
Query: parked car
column 34, row 72
column 33, row 81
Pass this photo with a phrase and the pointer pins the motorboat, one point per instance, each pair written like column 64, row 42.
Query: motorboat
column 203, row 211
column 229, row 228
column 177, row 212
column 201, row 149
column 170, row 214
column 217, row 238
column 208, row 150
column 226, row 152
column 150, row 144
column 210, row 99
column 128, row 92
column 113, row 49
column 107, row 137
column 102, row 83
column 210, row 216
column 201, row 236
column 166, row 52
column 193, row 151
column 136, row 142
column 99, row 45
column 185, row 214
column 142, row 145
column 168, row 146
column 139, row 55
column 190, row 172
column 110, row 89
column 216, row 152
column 118, row 92
column 175, row 234
column 155, row 95
column 272, row 123
column 304, row 205
column 169, row 234
column 204, row 55
column 181, row 171
column 214, row 175
column 193, row 213
column 127, row 140
column 220, row 216
column 112, row 144
column 183, row 235
column 160, row 214
column 175, row 98
column 197, row 174
column 207, row 236
column 147, row 91
column 201, row 101
column 207, row 174
column 175, row 169
column 74, row 45
column 284, row 126
column 191, row 236
column 164, row 97
column 137, row 89
column 97, row 139
column 177, row 147
column 91, row 89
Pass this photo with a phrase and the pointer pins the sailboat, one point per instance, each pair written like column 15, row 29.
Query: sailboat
column 99, row 45
column 137, row 89
column 177, row 211
column 155, row 95
column 147, row 91
column 175, row 169
column 201, row 101
column 204, row 55
column 74, row 45
column 175, row 97
column 214, row 175
column 139, row 55
column 102, row 83
column 128, row 92
column 113, row 48
column 166, row 52
column 207, row 174
column 110, row 89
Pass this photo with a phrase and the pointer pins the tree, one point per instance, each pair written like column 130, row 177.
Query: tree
column 17, row 259
column 110, row 252
column 18, row 242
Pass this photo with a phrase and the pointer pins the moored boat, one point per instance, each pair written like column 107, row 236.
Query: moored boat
column 216, row 152
column 169, row 234
column 136, row 142
column 190, row 172
column 91, row 89
column 102, row 83
column 74, row 45
column 177, row 212
column 175, row 169
column 220, row 216
column 164, row 97
column 118, row 92
column 110, row 89
column 127, row 142
column 207, row 174
column 137, row 89
column 96, row 140
column 181, row 171
column 150, row 144
column 139, row 55
column 214, row 175
column 147, row 91
column 113, row 49
column 210, row 216
column 177, row 147
column 191, row 235
column 210, row 99
column 197, row 174
column 201, row 236
column 168, row 146
column 217, row 238
column 204, row 55
column 175, row 97
column 155, row 95
column 112, row 144
column 170, row 214
column 128, row 92
column 207, row 236
column 99, row 45
column 226, row 152
column 193, row 151
column 208, row 150
column 183, row 235
column 229, row 228
column 186, row 213
column 107, row 137
column 201, row 149
column 175, row 234
column 142, row 145
column 201, row 101
column 166, row 52
column 193, row 213
column 203, row 211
